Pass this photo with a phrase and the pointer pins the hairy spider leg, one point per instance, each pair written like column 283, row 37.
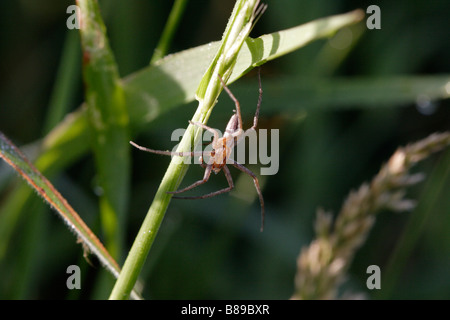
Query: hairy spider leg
column 213, row 131
column 195, row 184
column 169, row 153
column 236, row 102
column 230, row 187
column 258, row 105
column 258, row 189
column 209, row 167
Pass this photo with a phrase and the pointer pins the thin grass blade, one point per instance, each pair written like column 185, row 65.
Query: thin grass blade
column 19, row 162
column 16, row 159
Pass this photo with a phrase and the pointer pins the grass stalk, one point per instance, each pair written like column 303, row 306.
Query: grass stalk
column 237, row 30
column 66, row 81
column 169, row 30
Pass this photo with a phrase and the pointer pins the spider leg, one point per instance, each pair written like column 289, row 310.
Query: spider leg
column 204, row 126
column 258, row 189
column 203, row 164
column 213, row 131
column 168, row 153
column 236, row 102
column 227, row 173
column 195, row 184
column 258, row 106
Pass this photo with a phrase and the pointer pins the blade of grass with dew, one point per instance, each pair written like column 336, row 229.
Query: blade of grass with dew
column 237, row 30
column 61, row 100
column 60, row 148
column 16, row 159
column 108, row 120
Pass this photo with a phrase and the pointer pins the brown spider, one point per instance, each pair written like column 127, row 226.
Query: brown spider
column 221, row 151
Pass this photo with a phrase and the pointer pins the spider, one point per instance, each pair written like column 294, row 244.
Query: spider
column 221, row 151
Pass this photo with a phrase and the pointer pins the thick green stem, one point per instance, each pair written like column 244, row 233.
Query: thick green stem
column 237, row 31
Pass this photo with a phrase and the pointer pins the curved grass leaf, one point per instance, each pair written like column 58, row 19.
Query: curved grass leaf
column 174, row 80
column 16, row 159
column 292, row 94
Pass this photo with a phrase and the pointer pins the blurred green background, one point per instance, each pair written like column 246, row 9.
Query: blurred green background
column 212, row 248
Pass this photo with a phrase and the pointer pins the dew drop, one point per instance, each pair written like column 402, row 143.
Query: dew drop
column 425, row 106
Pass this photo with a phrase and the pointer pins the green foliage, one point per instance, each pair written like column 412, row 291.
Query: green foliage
column 337, row 110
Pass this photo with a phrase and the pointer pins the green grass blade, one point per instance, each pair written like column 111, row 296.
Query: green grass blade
column 108, row 119
column 291, row 94
column 16, row 159
column 66, row 82
column 174, row 80
column 169, row 30
column 60, row 148
column 271, row 46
